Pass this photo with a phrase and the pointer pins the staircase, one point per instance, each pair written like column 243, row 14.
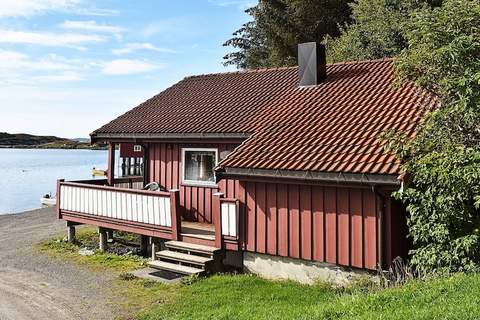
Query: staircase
column 188, row 258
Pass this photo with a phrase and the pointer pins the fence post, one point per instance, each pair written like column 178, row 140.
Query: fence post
column 176, row 213
column 59, row 183
column 217, row 217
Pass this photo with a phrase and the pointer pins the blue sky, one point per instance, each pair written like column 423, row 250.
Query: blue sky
column 69, row 66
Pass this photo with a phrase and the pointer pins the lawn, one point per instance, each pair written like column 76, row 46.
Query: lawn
column 249, row 297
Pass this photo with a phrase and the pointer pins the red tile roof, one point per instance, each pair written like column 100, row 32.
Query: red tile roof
column 332, row 127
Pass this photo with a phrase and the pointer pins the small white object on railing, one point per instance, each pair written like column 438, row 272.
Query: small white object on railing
column 229, row 214
column 149, row 209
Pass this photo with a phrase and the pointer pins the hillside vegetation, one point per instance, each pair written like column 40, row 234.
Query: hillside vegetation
column 23, row 140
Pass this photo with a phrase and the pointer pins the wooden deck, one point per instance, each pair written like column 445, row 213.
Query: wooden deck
column 204, row 231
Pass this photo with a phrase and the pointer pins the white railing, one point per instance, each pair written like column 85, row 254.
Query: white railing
column 229, row 217
column 148, row 207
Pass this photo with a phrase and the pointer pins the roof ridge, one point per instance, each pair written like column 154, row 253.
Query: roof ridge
column 259, row 70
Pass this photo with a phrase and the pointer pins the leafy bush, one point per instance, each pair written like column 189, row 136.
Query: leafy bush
column 443, row 197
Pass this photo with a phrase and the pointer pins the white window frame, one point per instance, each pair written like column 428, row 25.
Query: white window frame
column 137, row 148
column 197, row 182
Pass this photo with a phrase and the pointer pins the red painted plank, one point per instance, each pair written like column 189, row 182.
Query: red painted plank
column 158, row 158
column 261, row 217
column 294, row 221
column 331, row 225
column 188, row 203
column 169, row 167
column 271, row 219
column 208, row 205
column 194, row 203
column 343, row 226
column 282, row 204
column 318, row 228
column 242, row 213
column 162, row 165
column 230, row 188
column 250, row 187
column 306, row 222
column 356, row 245
column 151, row 163
column 388, row 231
column 201, row 208
column 176, row 170
column 370, row 229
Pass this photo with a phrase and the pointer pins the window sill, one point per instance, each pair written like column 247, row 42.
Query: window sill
column 199, row 184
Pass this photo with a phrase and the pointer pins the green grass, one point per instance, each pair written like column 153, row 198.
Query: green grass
column 59, row 248
column 249, row 297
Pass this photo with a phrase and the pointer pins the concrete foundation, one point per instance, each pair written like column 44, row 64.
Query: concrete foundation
column 156, row 245
column 102, row 239
column 308, row 272
column 71, row 234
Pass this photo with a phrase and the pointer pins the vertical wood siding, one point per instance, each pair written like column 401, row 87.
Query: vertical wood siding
column 165, row 168
column 337, row 225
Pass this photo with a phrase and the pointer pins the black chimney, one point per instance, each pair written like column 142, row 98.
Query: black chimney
column 312, row 63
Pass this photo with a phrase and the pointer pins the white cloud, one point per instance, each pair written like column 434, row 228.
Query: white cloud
column 25, row 8
column 12, row 60
column 59, row 77
column 131, row 47
column 48, row 39
column 125, row 67
column 241, row 4
column 91, row 25
column 19, row 69
column 16, row 8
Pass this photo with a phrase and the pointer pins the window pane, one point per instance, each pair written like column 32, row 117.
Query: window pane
column 199, row 165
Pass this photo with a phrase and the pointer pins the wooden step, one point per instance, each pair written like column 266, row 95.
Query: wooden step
column 183, row 257
column 191, row 247
column 173, row 267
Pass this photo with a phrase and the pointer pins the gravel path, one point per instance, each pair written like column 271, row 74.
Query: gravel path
column 33, row 286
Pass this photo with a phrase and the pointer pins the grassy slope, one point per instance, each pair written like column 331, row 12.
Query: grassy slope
column 248, row 297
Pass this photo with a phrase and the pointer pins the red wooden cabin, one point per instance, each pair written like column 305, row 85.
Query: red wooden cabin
column 284, row 162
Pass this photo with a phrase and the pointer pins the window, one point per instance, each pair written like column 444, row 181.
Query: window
column 137, row 148
column 198, row 165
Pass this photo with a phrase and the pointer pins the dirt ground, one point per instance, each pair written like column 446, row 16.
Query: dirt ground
column 33, row 286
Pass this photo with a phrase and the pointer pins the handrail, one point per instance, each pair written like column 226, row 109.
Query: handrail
column 109, row 188
column 155, row 208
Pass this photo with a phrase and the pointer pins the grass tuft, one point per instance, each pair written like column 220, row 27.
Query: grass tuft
column 60, row 248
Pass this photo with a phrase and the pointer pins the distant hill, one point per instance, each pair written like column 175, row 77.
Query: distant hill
column 23, row 140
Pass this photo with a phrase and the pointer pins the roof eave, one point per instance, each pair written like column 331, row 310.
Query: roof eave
column 330, row 177
column 152, row 136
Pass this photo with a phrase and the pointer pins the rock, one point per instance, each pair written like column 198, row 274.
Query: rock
column 86, row 252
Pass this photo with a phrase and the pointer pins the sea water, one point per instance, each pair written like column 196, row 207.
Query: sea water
column 27, row 174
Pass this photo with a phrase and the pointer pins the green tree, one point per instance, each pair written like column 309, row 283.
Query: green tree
column 377, row 30
column 443, row 197
column 278, row 26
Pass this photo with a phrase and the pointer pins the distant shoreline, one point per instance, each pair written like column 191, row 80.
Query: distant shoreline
column 52, row 148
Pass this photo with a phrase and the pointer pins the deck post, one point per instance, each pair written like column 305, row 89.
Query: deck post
column 111, row 164
column 143, row 245
column 176, row 214
column 102, row 239
column 217, row 218
column 70, row 232
column 59, row 211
